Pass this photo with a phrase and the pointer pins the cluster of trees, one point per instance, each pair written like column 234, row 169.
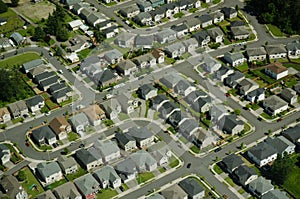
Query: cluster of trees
column 55, row 25
column 3, row 7
column 283, row 14
column 12, row 86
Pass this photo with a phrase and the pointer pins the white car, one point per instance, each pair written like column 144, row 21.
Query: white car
column 48, row 113
column 60, row 71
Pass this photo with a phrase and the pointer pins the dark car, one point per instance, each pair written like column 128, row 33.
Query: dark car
column 218, row 149
column 279, row 120
column 27, row 144
column 122, row 189
column 188, row 165
column 55, row 145
column 81, row 145
column 227, row 94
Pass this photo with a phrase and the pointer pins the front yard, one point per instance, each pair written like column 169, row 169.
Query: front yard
column 143, row 177
column 107, row 193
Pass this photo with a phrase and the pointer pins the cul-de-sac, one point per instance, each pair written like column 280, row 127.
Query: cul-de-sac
column 149, row 99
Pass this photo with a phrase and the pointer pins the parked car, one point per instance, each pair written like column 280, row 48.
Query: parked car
column 218, row 149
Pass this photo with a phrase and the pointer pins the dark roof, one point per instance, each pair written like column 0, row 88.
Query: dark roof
column 228, row 11
column 123, row 138
column 125, row 167
column 193, row 96
column 43, row 76
column 292, row 134
column 262, row 151
column 180, row 27
column 56, row 87
column 144, row 40
column 109, row 29
column 237, row 23
column 60, row 93
column 168, row 107
column 187, row 126
column 232, row 161
column 205, row 18
column 242, row 173
column 280, row 144
column 200, row 102
column 201, row 35
column 105, row 76
column 35, row 100
column 176, row 117
column 159, row 98
column 146, row 88
column 84, row 156
column 44, row 132
column 49, row 81
column 230, row 122
column 231, row 79
column 191, row 186
column 11, row 186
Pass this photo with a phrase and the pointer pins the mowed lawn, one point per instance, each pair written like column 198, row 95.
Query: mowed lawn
column 29, row 183
column 18, row 60
column 13, row 22
column 293, row 181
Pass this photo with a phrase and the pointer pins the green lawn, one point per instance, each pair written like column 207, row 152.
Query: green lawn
column 106, row 193
column 218, row 169
column 13, row 22
column 125, row 186
column 290, row 82
column 242, row 67
column 292, row 183
column 241, row 191
column 15, row 157
column 169, row 60
column 233, row 92
column 178, row 15
column 20, row 59
column 123, row 116
column 267, row 116
column 29, row 182
column 162, row 169
column 295, row 66
column 51, row 105
column 143, row 177
column 260, row 73
column 230, row 181
column 195, row 149
column 84, row 53
column 79, row 173
column 275, row 30
column 173, row 162
column 56, row 184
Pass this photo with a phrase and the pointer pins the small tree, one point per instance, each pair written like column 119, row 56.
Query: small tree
column 14, row 3
column 237, row 111
column 3, row 7
column 21, row 176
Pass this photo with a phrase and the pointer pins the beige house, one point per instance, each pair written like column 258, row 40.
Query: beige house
column 4, row 115
column 61, row 127
column 95, row 114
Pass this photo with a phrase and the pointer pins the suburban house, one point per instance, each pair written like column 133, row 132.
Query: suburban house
column 47, row 194
column 202, row 104
column 45, row 84
column 4, row 154
column 43, row 135
column 18, row 109
column 229, row 12
column 293, row 49
column 216, row 34
column 231, row 162
column 17, row 38
column 159, row 55
column 175, row 50
column 188, row 127
column 35, row 103
column 87, row 185
column 170, row 80
column 95, row 18
column 202, row 37
column 143, row 18
column 180, row 29
column 276, row 70
column 274, row 105
column 244, row 175
column 87, row 159
column 67, row 190
column 275, row 193
column 67, row 164
column 223, row 72
column 126, row 68
column 246, row 85
column 4, row 43
column 230, row 124
column 108, row 150
column 128, row 103
column 147, row 91
column 262, row 154
column 193, row 24
column 205, row 20
column 94, row 114
column 43, row 76
column 239, row 32
column 143, row 136
column 60, row 127
column 260, row 186
column 190, row 44
column 145, row 61
column 256, row 95
column 234, row 59
column 281, row 145
column 167, row 109
column 143, row 161
column 79, row 122
column 110, row 31
column 11, row 188
column 74, row 25
column 184, row 88
column 276, row 51
column 296, row 87
column 217, row 112
column 125, row 141
column 113, row 56
column 125, row 40
column 145, row 6
column 175, row 191
column 158, row 101
column 217, row 16
column 166, row 36
column 192, row 187
column 26, row 67
column 256, row 54
column 4, row 115
column 193, row 96
column 108, row 177
column 144, row 41
column 293, row 135
column 126, row 169
column 62, row 95
column 77, row 7
column 233, row 79
column 49, row 172
column 156, row 3
column 170, row 9
column 236, row 23
column 157, row 14
column 161, row 152
column 111, row 107
column 176, row 117
column 79, row 43
column 289, row 95
column 105, row 78
column 210, row 64
column 130, row 11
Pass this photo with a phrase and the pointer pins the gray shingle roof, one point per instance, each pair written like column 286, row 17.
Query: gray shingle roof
column 87, row 184
column 232, row 161
column 35, row 100
column 262, row 151
column 191, row 186
column 243, row 173
column 33, row 64
column 48, row 169
column 44, row 132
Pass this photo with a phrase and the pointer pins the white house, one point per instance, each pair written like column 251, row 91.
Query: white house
column 108, row 150
column 276, row 70
column 274, row 105
column 262, row 154
column 49, row 172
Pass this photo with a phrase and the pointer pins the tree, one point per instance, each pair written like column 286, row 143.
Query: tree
column 281, row 168
column 21, row 176
column 58, row 51
column 14, row 3
column 237, row 111
column 62, row 34
column 99, row 36
column 3, row 7
column 39, row 34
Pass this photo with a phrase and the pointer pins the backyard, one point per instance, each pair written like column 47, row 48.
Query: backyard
column 13, row 22
column 20, row 59
column 31, row 184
